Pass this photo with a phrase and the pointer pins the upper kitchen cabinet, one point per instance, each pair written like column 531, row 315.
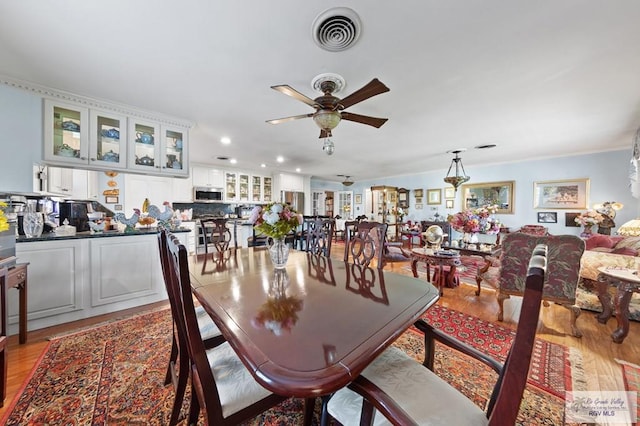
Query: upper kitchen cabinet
column 268, row 189
column 66, row 133
column 207, row 177
column 256, row 188
column 243, row 187
column 230, row 186
column 173, row 151
column 291, row 182
column 144, row 145
column 108, row 140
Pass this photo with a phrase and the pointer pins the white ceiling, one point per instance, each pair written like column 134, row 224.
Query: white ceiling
column 537, row 78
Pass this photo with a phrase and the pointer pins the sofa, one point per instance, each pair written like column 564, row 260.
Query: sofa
column 607, row 250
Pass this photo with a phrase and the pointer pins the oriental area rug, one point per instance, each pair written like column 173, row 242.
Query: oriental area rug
column 113, row 374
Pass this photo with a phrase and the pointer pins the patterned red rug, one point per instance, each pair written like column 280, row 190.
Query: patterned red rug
column 113, row 374
column 631, row 375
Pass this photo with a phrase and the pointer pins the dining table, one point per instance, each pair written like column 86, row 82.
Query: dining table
column 310, row 328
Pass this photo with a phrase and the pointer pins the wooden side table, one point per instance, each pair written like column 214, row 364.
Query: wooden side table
column 17, row 278
column 439, row 261
column 626, row 281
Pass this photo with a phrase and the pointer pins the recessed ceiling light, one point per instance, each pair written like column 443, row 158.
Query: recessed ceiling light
column 263, row 165
column 486, row 146
column 233, row 161
column 225, row 140
column 280, row 159
column 298, row 169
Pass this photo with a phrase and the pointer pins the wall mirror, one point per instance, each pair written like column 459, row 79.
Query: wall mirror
column 480, row 194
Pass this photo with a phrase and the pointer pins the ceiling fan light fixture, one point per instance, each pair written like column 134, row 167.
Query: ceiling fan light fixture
column 328, row 147
column 347, row 181
column 326, row 119
column 460, row 176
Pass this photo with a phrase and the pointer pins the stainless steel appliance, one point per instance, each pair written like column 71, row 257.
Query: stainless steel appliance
column 77, row 213
column 294, row 199
column 203, row 194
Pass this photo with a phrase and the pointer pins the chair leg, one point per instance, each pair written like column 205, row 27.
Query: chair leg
column 309, row 407
column 180, row 389
column 501, row 298
column 324, row 414
column 3, row 369
column 172, row 360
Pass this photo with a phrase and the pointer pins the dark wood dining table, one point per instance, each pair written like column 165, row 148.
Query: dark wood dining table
column 311, row 328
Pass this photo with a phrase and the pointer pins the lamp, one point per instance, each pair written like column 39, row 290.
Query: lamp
column 347, row 181
column 327, row 119
column 458, row 179
column 630, row 229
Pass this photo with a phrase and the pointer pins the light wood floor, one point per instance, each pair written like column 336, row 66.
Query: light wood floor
column 601, row 371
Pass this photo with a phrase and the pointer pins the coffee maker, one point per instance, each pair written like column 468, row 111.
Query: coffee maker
column 76, row 212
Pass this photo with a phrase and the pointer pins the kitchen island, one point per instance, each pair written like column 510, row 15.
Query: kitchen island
column 84, row 275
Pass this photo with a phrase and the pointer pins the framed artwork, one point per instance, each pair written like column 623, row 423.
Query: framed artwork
column 489, row 193
column 561, row 194
column 418, row 206
column 449, row 193
column 358, row 199
column 434, row 196
column 418, row 200
column 109, row 199
column 547, row 217
column 403, row 198
column 417, row 193
column 448, row 204
column 570, row 220
column 117, row 207
column 392, row 197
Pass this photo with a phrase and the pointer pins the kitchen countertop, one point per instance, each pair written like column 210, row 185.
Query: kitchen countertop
column 51, row 236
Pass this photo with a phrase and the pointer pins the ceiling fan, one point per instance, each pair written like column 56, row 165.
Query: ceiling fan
column 329, row 108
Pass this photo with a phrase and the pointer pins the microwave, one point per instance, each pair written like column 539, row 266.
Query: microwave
column 204, row 194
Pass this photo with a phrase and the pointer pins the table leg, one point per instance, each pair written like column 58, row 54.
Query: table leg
column 414, row 267
column 22, row 332
column 605, row 301
column 622, row 299
column 441, row 280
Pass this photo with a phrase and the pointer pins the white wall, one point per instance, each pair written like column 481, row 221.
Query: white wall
column 608, row 173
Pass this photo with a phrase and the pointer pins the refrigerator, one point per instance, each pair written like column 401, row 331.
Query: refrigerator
column 294, row 199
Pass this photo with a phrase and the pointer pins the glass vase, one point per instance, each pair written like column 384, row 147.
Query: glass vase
column 32, row 224
column 587, row 231
column 279, row 252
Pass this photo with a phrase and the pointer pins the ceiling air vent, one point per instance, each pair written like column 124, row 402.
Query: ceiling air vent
column 336, row 29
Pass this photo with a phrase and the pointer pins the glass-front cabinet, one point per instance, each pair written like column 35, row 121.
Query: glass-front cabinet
column 66, row 133
column 256, row 188
column 174, row 151
column 230, row 186
column 144, row 145
column 268, row 186
column 345, row 204
column 108, row 139
column 243, row 187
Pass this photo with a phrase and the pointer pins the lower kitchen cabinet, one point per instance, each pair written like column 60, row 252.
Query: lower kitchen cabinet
column 71, row 279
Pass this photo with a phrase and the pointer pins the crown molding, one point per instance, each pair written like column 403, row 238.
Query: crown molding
column 47, row 92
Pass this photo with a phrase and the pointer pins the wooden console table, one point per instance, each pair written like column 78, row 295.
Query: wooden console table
column 627, row 281
column 17, row 278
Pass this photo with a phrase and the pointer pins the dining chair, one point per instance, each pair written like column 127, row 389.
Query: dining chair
column 222, row 388
column 219, row 235
column 406, row 392
column 178, row 368
column 366, row 244
column 319, row 234
column 3, row 341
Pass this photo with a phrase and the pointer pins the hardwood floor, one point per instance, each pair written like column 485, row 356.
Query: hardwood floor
column 599, row 352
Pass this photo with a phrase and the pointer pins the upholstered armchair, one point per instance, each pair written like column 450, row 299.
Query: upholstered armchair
column 507, row 274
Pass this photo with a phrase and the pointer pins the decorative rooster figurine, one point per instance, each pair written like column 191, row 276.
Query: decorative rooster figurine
column 131, row 221
column 163, row 217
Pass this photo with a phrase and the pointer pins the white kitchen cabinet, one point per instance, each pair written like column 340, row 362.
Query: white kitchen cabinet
column 138, row 187
column 66, row 133
column 207, row 177
column 256, row 189
column 107, row 139
column 182, row 190
column 72, row 183
column 230, row 186
column 174, row 156
column 111, row 281
column 243, row 187
column 291, row 182
column 267, row 189
column 60, row 181
column 144, row 146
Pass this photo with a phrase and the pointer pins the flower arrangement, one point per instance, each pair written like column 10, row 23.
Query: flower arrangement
column 4, row 222
column 478, row 220
column 399, row 212
column 589, row 218
column 276, row 220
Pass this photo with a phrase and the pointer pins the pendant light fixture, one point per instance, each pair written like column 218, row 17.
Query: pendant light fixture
column 347, row 180
column 460, row 176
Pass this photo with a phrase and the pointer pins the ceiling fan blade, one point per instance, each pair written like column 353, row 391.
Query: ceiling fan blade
column 288, row 90
column 285, row 119
column 373, row 88
column 364, row 119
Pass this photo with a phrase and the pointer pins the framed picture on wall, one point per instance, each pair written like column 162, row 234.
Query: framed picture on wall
column 547, row 217
column 449, row 193
column 434, row 196
column 358, row 199
column 561, row 194
column 448, row 204
column 570, row 220
column 111, row 199
column 419, row 206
